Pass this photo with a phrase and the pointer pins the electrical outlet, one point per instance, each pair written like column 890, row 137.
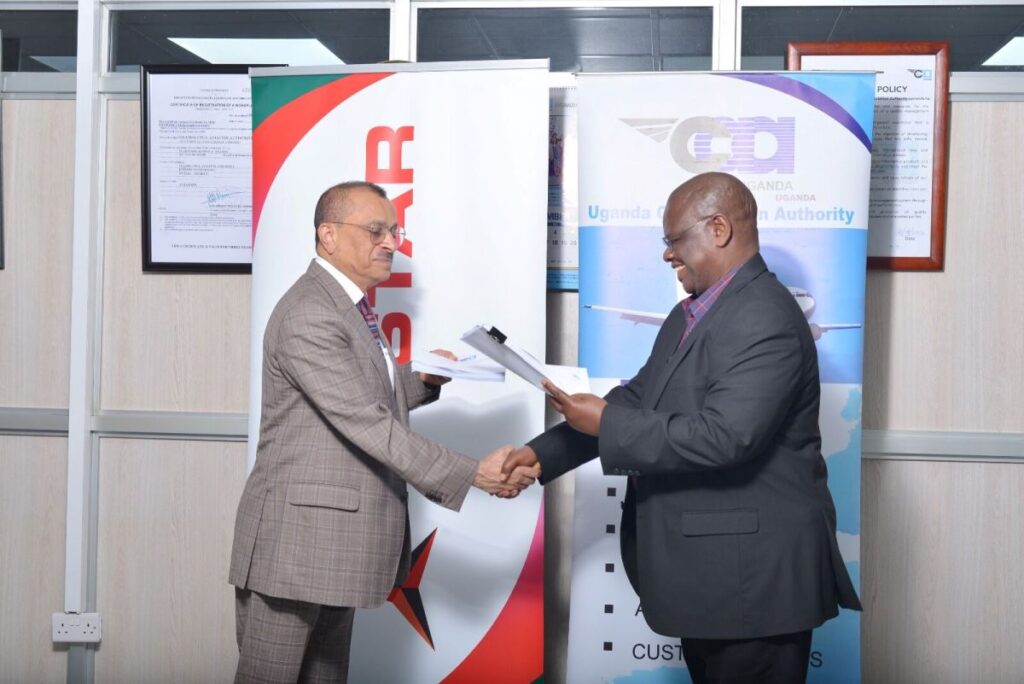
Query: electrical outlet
column 76, row 627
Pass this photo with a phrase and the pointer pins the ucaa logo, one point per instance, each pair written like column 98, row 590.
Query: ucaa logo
column 751, row 145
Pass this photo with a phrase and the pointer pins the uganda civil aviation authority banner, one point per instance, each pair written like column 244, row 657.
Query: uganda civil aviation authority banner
column 802, row 143
column 461, row 151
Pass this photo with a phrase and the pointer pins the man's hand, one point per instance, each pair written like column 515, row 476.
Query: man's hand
column 581, row 411
column 520, row 468
column 437, row 380
column 522, row 459
column 490, row 478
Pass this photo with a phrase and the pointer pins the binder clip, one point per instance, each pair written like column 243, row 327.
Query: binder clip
column 497, row 335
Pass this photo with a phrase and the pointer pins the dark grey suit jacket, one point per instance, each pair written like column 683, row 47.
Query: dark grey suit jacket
column 728, row 527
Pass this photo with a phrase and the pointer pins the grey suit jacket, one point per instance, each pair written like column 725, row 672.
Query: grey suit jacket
column 728, row 526
column 323, row 517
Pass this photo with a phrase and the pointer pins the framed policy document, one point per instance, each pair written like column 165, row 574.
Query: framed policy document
column 907, row 211
column 196, row 169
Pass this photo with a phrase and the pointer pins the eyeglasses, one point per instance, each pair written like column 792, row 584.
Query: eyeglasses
column 670, row 242
column 377, row 231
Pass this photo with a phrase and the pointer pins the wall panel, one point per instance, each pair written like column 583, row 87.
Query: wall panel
column 943, row 589
column 35, row 285
column 943, row 350
column 166, row 521
column 170, row 342
column 32, row 506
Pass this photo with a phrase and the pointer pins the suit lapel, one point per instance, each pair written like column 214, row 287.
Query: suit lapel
column 401, row 400
column 750, row 270
column 354, row 324
column 675, row 358
column 353, row 321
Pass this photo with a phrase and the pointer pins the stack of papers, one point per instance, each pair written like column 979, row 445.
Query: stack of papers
column 468, row 368
column 506, row 354
column 497, row 354
column 524, row 364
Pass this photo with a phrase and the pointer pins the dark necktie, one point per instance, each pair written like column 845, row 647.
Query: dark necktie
column 371, row 323
column 371, row 320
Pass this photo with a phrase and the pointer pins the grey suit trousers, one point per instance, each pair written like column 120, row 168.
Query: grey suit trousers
column 281, row 641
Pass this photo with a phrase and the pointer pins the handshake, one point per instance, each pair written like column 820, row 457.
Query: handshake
column 506, row 471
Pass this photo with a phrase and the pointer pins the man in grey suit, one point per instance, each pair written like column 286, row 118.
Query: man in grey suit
column 728, row 526
column 322, row 525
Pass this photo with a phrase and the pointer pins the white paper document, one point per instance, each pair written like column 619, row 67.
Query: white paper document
column 494, row 345
column 200, row 168
column 569, row 379
column 473, row 367
column 524, row 364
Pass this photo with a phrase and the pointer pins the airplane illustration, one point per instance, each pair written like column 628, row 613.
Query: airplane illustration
column 803, row 298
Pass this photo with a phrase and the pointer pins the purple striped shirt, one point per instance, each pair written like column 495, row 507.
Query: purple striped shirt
column 695, row 308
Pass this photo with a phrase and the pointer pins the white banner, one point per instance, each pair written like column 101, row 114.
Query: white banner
column 802, row 143
column 462, row 153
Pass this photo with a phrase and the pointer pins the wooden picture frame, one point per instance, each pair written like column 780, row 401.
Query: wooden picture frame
column 196, row 220
column 900, row 211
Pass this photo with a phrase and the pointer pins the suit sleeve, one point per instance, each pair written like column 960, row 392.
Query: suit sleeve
column 743, row 406
column 313, row 354
column 562, row 448
column 417, row 392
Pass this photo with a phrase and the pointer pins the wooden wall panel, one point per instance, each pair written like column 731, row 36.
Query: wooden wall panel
column 170, row 342
column 35, row 285
column 32, row 508
column 166, row 521
column 943, row 350
column 942, row 580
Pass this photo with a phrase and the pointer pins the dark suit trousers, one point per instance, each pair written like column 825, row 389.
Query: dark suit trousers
column 778, row 659
column 283, row 641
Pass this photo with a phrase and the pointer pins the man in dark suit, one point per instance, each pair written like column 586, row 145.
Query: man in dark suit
column 728, row 527
column 323, row 524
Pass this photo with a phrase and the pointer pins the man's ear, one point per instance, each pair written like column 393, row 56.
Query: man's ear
column 721, row 230
column 325, row 232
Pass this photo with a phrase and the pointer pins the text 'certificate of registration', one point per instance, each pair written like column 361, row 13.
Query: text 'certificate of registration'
column 200, row 168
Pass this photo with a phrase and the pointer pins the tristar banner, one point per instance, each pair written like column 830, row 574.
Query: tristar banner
column 461, row 151
column 802, row 143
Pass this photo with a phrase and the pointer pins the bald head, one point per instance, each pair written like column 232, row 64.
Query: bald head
column 711, row 223
column 721, row 193
column 335, row 203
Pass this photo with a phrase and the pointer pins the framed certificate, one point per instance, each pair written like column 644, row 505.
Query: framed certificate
column 907, row 213
column 196, row 169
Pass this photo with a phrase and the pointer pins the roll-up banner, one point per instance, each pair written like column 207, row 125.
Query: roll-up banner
column 461, row 150
column 802, row 143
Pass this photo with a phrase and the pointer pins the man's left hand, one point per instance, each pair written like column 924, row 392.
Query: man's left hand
column 438, row 380
column 581, row 411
